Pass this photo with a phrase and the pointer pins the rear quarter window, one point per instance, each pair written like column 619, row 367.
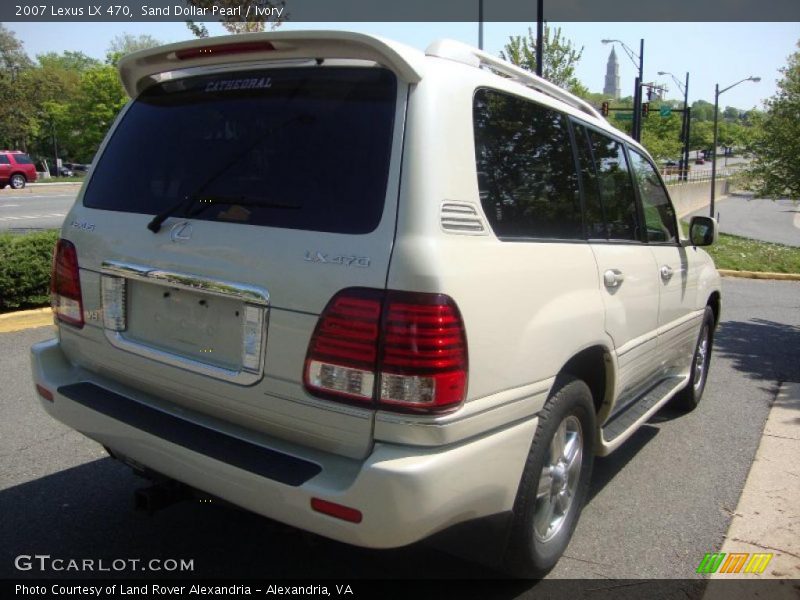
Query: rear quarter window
column 527, row 176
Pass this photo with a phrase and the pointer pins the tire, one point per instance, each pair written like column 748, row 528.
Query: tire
column 547, row 507
column 17, row 181
column 689, row 397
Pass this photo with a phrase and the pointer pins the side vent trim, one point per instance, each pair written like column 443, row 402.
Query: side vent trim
column 462, row 217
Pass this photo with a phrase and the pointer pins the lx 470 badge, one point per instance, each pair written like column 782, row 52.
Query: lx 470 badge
column 347, row 261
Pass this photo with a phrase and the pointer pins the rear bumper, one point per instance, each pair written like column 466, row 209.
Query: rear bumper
column 405, row 493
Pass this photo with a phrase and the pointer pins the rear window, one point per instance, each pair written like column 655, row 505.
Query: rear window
column 22, row 159
column 298, row 148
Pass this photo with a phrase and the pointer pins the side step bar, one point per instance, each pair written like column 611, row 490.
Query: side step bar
column 622, row 421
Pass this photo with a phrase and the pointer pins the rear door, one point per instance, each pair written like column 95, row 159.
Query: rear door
column 626, row 267
column 282, row 186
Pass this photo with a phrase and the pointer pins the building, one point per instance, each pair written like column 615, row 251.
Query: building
column 611, row 87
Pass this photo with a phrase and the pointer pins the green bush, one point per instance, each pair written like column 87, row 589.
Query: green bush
column 25, row 269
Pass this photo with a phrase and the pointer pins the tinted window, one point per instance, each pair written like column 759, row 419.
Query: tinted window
column 615, row 187
column 302, row 148
column 526, row 170
column 23, row 159
column 4, row 160
column 594, row 215
column 659, row 216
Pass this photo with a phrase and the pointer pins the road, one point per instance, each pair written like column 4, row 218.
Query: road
column 657, row 505
column 35, row 207
column 760, row 219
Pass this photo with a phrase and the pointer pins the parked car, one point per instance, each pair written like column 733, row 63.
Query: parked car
column 16, row 169
column 279, row 315
column 63, row 171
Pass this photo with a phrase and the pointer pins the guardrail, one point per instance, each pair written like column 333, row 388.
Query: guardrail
column 674, row 178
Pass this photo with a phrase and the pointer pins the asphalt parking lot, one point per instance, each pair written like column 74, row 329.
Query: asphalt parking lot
column 657, row 505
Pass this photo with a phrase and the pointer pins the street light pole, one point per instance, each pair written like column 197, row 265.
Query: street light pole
column 717, row 93
column 714, row 150
column 636, row 128
column 480, row 24
column 638, row 136
column 540, row 37
column 685, row 124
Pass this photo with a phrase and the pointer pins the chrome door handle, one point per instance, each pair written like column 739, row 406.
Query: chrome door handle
column 666, row 272
column 613, row 278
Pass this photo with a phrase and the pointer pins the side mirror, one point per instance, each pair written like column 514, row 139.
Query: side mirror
column 702, row 231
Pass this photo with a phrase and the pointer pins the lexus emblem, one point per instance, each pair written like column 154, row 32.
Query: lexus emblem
column 181, row 232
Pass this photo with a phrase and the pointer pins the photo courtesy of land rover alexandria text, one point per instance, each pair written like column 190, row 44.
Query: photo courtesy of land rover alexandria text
column 372, row 292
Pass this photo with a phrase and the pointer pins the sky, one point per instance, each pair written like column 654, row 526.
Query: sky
column 722, row 53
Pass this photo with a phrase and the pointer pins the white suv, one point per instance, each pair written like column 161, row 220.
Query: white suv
column 372, row 292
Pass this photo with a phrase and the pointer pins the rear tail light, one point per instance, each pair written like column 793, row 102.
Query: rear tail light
column 65, row 285
column 343, row 352
column 407, row 351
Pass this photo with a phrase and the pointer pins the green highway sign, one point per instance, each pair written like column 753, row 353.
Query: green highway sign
column 665, row 111
column 624, row 116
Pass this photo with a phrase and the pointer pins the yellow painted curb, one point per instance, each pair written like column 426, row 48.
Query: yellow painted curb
column 760, row 275
column 25, row 319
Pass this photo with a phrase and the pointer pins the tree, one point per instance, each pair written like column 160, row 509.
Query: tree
column 250, row 24
column 90, row 115
column 126, row 43
column 12, row 53
column 17, row 122
column 661, row 135
column 701, row 135
column 560, row 58
column 702, row 110
column 76, row 62
column 776, row 168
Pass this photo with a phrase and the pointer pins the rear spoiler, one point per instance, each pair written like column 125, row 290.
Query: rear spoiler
column 137, row 69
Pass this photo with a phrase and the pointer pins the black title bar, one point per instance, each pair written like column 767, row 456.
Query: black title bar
column 401, row 11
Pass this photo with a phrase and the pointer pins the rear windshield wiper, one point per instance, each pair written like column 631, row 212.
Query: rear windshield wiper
column 155, row 223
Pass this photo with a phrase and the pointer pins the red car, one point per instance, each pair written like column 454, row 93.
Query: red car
column 16, row 169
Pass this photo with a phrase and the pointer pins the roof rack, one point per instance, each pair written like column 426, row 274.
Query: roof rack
column 463, row 53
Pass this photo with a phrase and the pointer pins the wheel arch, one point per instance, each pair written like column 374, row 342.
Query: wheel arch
column 714, row 301
column 594, row 366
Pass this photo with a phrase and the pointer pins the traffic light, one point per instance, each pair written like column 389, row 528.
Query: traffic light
column 604, row 109
column 645, row 109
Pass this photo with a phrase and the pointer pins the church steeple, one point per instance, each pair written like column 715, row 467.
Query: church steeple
column 611, row 87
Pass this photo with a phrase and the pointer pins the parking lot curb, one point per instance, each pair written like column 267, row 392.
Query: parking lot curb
column 25, row 319
column 759, row 275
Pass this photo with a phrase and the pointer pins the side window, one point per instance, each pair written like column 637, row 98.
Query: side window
column 526, row 170
column 4, row 160
column 659, row 216
column 616, row 187
column 594, row 213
